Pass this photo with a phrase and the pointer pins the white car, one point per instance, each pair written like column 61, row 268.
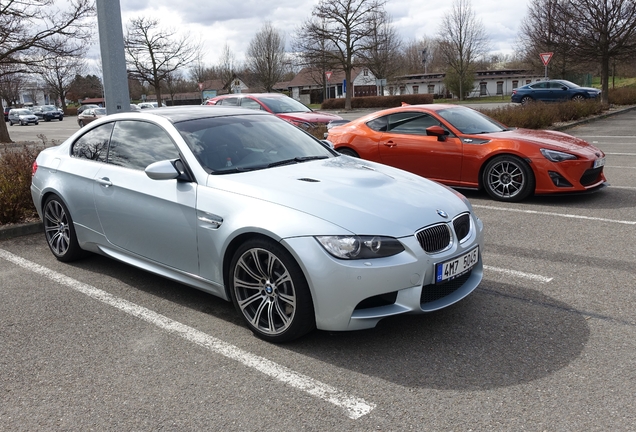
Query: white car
column 146, row 105
column 245, row 206
column 22, row 116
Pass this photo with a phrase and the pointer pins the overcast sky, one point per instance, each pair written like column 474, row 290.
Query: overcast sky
column 218, row 22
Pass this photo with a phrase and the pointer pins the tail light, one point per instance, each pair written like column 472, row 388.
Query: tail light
column 34, row 168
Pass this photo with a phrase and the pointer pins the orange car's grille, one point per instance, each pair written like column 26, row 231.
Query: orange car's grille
column 591, row 176
column 435, row 238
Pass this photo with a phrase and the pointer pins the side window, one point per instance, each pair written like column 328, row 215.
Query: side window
column 229, row 101
column 411, row 123
column 250, row 103
column 137, row 144
column 93, row 145
column 541, row 85
column 380, row 124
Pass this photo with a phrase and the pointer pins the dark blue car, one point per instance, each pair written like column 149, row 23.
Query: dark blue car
column 553, row 91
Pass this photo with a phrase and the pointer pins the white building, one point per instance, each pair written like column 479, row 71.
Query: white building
column 487, row 83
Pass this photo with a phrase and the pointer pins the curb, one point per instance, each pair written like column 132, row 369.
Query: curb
column 593, row 118
column 21, row 230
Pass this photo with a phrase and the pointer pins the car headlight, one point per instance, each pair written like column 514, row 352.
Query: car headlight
column 556, row 156
column 360, row 247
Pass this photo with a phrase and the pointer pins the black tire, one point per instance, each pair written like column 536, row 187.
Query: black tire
column 508, row 178
column 270, row 292
column 578, row 98
column 10, row 123
column 348, row 152
column 61, row 118
column 80, row 123
column 60, row 231
column 526, row 100
column 36, row 123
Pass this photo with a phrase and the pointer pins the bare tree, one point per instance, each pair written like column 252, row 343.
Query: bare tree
column 462, row 40
column 342, row 27
column 545, row 29
column 225, row 68
column 154, row 52
column 419, row 56
column 58, row 72
column 10, row 85
column 266, row 57
column 603, row 31
column 382, row 48
column 28, row 25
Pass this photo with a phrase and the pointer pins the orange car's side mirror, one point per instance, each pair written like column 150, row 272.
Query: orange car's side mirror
column 437, row 131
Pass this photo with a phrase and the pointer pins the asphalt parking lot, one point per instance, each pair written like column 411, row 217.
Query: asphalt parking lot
column 546, row 343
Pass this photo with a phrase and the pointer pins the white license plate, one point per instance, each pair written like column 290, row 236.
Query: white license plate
column 457, row 266
column 599, row 162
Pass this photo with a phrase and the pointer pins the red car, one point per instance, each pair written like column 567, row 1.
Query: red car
column 463, row 148
column 283, row 106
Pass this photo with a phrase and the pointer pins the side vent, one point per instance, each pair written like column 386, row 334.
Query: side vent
column 309, row 180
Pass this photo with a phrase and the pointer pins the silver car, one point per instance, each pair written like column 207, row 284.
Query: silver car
column 246, row 206
column 22, row 116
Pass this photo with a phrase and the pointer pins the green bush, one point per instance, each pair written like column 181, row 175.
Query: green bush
column 379, row 101
column 16, row 164
column 538, row 115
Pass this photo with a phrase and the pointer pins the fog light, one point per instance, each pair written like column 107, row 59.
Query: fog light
column 558, row 179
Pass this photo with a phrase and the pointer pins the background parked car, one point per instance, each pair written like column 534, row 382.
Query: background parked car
column 89, row 115
column 283, row 106
column 6, row 113
column 463, row 148
column 85, row 107
column 48, row 113
column 553, row 91
column 146, row 105
column 22, row 116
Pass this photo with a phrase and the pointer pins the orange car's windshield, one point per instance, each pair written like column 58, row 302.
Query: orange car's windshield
column 469, row 121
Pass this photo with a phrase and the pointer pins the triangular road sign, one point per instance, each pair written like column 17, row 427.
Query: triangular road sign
column 545, row 58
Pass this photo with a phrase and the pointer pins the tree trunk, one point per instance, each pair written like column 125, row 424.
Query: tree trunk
column 605, row 79
column 349, row 85
column 4, row 132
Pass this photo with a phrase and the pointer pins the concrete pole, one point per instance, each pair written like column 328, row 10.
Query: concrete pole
column 111, row 42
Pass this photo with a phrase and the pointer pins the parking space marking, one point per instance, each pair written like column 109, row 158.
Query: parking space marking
column 623, row 187
column 354, row 407
column 620, row 154
column 621, row 167
column 516, row 273
column 565, row 215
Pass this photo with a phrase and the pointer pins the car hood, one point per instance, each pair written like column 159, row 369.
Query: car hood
column 310, row 117
column 360, row 196
column 545, row 139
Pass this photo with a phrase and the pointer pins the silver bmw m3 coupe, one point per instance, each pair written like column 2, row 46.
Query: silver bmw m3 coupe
column 246, row 206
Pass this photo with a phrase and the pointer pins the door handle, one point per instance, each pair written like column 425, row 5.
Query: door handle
column 104, row 181
column 390, row 144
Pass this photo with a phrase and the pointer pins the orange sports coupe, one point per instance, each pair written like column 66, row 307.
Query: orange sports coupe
column 463, row 148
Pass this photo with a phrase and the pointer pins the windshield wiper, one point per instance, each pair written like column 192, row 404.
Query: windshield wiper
column 233, row 170
column 297, row 159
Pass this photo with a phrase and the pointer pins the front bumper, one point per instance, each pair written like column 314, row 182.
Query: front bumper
column 356, row 294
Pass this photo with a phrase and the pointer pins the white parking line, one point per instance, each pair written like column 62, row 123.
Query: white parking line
column 535, row 277
column 354, row 407
column 621, row 154
column 624, row 187
column 624, row 222
column 622, row 167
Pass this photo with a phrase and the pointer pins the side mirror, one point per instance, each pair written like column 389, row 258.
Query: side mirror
column 437, row 131
column 167, row 170
column 327, row 143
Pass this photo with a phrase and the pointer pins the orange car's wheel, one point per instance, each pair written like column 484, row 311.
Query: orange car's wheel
column 348, row 152
column 508, row 178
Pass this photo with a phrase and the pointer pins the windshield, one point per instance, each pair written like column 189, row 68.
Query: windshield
column 469, row 121
column 48, row 108
column 23, row 112
column 232, row 144
column 283, row 104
